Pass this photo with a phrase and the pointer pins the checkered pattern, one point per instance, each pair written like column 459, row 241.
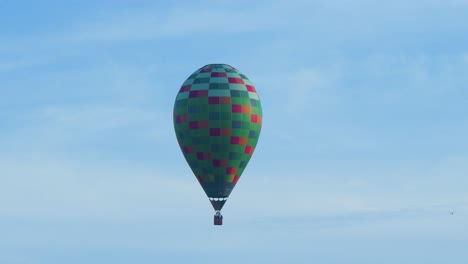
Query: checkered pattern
column 217, row 119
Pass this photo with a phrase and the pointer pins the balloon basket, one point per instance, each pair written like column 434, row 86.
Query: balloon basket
column 218, row 219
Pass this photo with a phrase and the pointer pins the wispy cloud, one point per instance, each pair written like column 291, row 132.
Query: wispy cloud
column 309, row 88
column 87, row 129
column 56, row 188
column 346, row 188
column 151, row 23
column 95, row 119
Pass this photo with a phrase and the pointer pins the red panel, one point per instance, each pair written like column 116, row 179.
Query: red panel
column 199, row 155
column 188, row 149
column 220, row 163
column 236, row 178
column 225, row 100
column 235, row 140
column 231, row 170
column 255, row 119
column 239, row 140
column 213, row 100
column 199, row 93
column 185, row 88
column 250, row 88
column 198, row 124
column 193, row 124
column 237, row 108
column 215, row 132
column 248, row 150
column 181, row 118
column 236, row 80
column 200, row 178
column 225, row 131
column 218, row 74
column 203, row 124
column 203, row 155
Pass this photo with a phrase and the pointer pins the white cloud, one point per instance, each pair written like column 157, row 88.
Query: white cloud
column 56, row 126
column 56, row 189
column 152, row 23
column 15, row 65
column 465, row 57
column 309, row 88
column 299, row 91
column 339, row 189
column 95, row 119
column 59, row 203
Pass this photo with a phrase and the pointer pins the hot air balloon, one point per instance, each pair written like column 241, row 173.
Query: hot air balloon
column 217, row 121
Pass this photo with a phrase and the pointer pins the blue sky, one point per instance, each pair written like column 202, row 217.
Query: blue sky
column 362, row 157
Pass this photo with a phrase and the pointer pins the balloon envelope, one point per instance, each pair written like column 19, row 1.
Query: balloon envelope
column 217, row 120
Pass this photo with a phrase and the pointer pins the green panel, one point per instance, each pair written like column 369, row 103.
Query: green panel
column 187, row 82
column 220, row 140
column 245, row 100
column 199, row 87
column 244, row 94
column 213, row 108
column 225, row 123
column 226, row 108
column 246, row 117
column 226, row 115
column 233, row 74
column 236, row 100
column 254, row 96
column 201, row 80
column 219, row 93
column 252, row 141
column 214, row 123
column 237, row 116
column 247, row 82
column 204, row 75
column 203, row 108
column 204, row 140
column 219, row 80
column 240, row 132
column 233, row 163
column 182, row 96
column 182, row 103
column 255, row 110
column 239, row 87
